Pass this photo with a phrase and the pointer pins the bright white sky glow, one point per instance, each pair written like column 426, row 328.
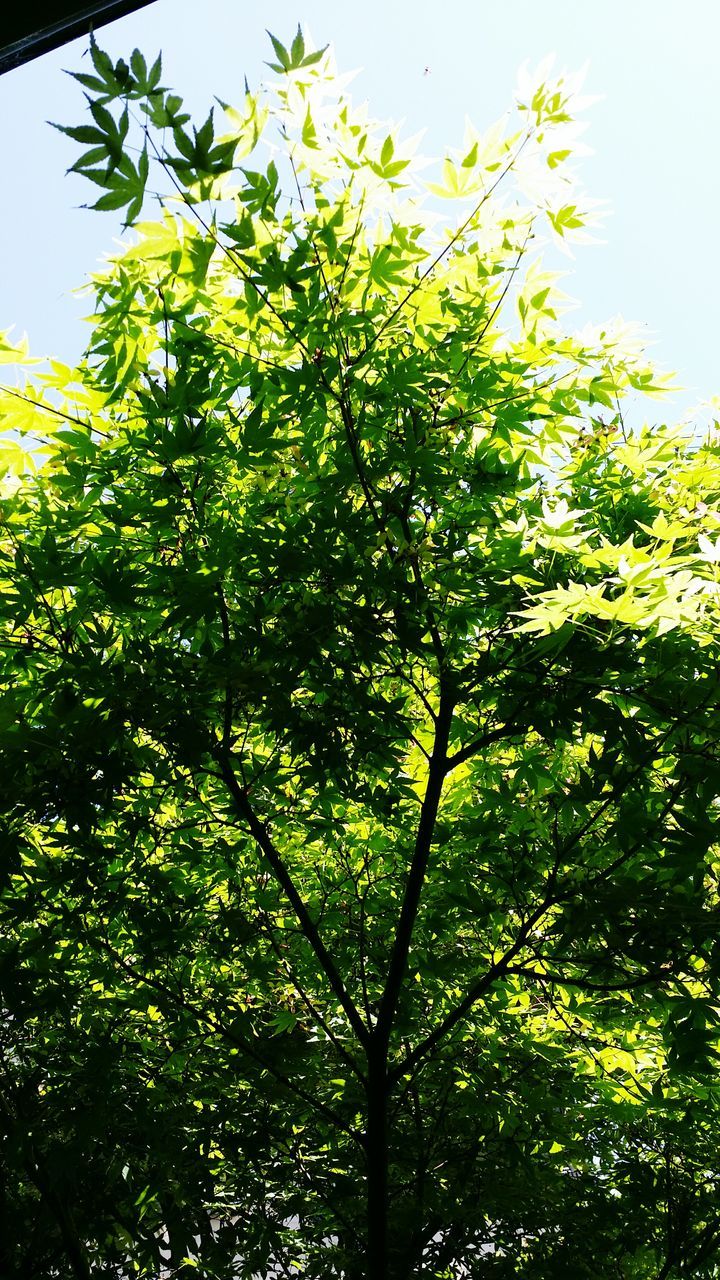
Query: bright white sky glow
column 653, row 134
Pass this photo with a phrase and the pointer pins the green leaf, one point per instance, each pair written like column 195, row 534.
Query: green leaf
column 155, row 74
column 102, row 62
column 557, row 157
column 297, row 50
column 281, row 53
column 113, row 199
column 359, row 653
column 138, row 66
column 81, row 133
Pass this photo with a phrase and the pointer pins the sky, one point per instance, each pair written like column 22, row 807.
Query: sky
column 653, row 133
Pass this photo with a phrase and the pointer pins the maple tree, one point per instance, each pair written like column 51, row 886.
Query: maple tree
column 360, row 724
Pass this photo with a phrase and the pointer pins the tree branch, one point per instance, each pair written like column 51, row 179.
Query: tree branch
column 473, row 995
column 262, row 838
column 418, row 869
column 446, row 248
column 550, row 899
column 220, row 1028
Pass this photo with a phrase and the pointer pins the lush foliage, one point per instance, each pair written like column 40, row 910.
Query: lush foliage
column 360, row 725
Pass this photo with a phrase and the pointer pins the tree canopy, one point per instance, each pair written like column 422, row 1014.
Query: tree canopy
column 360, row 724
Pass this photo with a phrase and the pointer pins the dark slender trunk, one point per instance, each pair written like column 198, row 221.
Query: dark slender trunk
column 377, row 1162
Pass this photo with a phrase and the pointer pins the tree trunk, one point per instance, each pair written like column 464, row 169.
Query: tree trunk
column 377, row 1163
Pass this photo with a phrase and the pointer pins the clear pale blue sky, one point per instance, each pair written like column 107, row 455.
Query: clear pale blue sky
column 654, row 135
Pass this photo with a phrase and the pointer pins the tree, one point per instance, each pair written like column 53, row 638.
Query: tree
column 360, row 726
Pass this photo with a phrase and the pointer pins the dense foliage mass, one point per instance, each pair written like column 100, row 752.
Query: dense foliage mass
column 360, row 723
